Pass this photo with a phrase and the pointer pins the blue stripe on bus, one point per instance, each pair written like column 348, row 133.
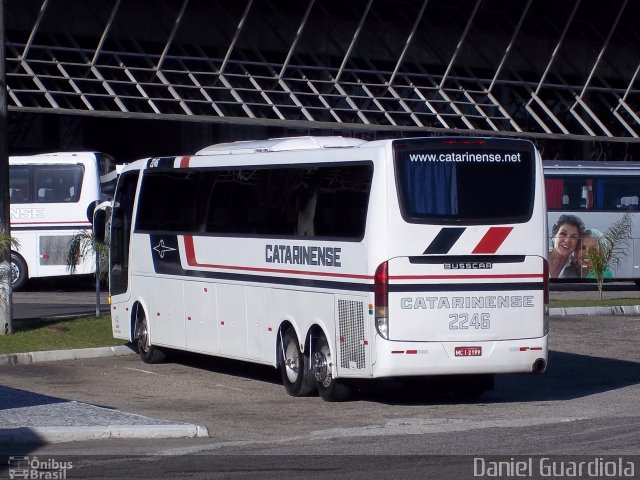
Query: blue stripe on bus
column 445, row 239
column 168, row 263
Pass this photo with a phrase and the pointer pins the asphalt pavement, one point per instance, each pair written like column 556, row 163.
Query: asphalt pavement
column 28, row 417
column 57, row 297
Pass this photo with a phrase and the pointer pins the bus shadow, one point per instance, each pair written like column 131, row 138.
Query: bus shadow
column 568, row 376
column 63, row 283
column 225, row 366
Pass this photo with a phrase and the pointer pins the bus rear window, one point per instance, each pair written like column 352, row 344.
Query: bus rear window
column 488, row 182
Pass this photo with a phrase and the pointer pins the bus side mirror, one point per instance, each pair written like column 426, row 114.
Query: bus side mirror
column 99, row 225
column 91, row 209
column 101, row 219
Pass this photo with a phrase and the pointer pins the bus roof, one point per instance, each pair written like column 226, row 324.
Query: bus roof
column 53, row 157
column 280, row 144
column 588, row 166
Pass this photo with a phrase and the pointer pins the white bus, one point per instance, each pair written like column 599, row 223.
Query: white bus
column 52, row 196
column 336, row 259
column 598, row 193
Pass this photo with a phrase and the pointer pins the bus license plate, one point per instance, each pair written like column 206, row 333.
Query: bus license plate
column 468, row 351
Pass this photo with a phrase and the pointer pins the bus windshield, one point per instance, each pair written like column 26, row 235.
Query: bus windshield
column 444, row 182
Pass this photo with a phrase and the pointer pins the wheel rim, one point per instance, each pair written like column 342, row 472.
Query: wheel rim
column 15, row 273
column 142, row 335
column 292, row 362
column 322, row 366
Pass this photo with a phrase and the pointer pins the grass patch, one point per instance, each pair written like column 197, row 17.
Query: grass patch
column 62, row 334
column 605, row 302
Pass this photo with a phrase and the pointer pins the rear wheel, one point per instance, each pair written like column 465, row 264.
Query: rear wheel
column 19, row 272
column 294, row 367
column 148, row 353
column 330, row 389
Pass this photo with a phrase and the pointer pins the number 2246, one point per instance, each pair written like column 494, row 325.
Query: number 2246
column 462, row 321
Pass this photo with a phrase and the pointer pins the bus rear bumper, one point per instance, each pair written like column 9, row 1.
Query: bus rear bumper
column 395, row 359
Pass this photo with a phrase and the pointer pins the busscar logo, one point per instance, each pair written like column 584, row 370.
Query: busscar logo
column 468, row 266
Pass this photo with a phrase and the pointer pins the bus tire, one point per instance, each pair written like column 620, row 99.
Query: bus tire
column 637, row 282
column 19, row 272
column 330, row 389
column 294, row 367
column 148, row 353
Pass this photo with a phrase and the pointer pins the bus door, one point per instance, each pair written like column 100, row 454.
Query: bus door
column 121, row 228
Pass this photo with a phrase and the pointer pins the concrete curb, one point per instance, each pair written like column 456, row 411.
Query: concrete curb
column 615, row 310
column 25, row 435
column 70, row 354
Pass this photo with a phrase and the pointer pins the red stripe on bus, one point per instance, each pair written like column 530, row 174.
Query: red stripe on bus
column 492, row 240
column 81, row 222
column 192, row 262
column 184, row 162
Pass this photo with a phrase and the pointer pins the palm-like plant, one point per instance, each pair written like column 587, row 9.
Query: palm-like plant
column 84, row 245
column 7, row 243
column 610, row 249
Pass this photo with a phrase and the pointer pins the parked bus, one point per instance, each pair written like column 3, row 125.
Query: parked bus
column 52, row 197
column 335, row 259
column 599, row 194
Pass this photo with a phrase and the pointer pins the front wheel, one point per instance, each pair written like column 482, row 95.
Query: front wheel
column 148, row 353
column 19, row 272
column 294, row 367
column 330, row 389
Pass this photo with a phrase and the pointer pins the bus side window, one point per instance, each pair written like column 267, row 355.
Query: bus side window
column 19, row 181
column 17, row 195
column 628, row 203
column 58, row 183
column 556, row 194
column 45, row 194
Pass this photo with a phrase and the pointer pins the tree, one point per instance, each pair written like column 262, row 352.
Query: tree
column 609, row 250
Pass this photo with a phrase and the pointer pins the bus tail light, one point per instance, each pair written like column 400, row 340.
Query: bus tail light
column 381, row 299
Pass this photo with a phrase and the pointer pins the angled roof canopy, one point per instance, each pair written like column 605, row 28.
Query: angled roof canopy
column 563, row 69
